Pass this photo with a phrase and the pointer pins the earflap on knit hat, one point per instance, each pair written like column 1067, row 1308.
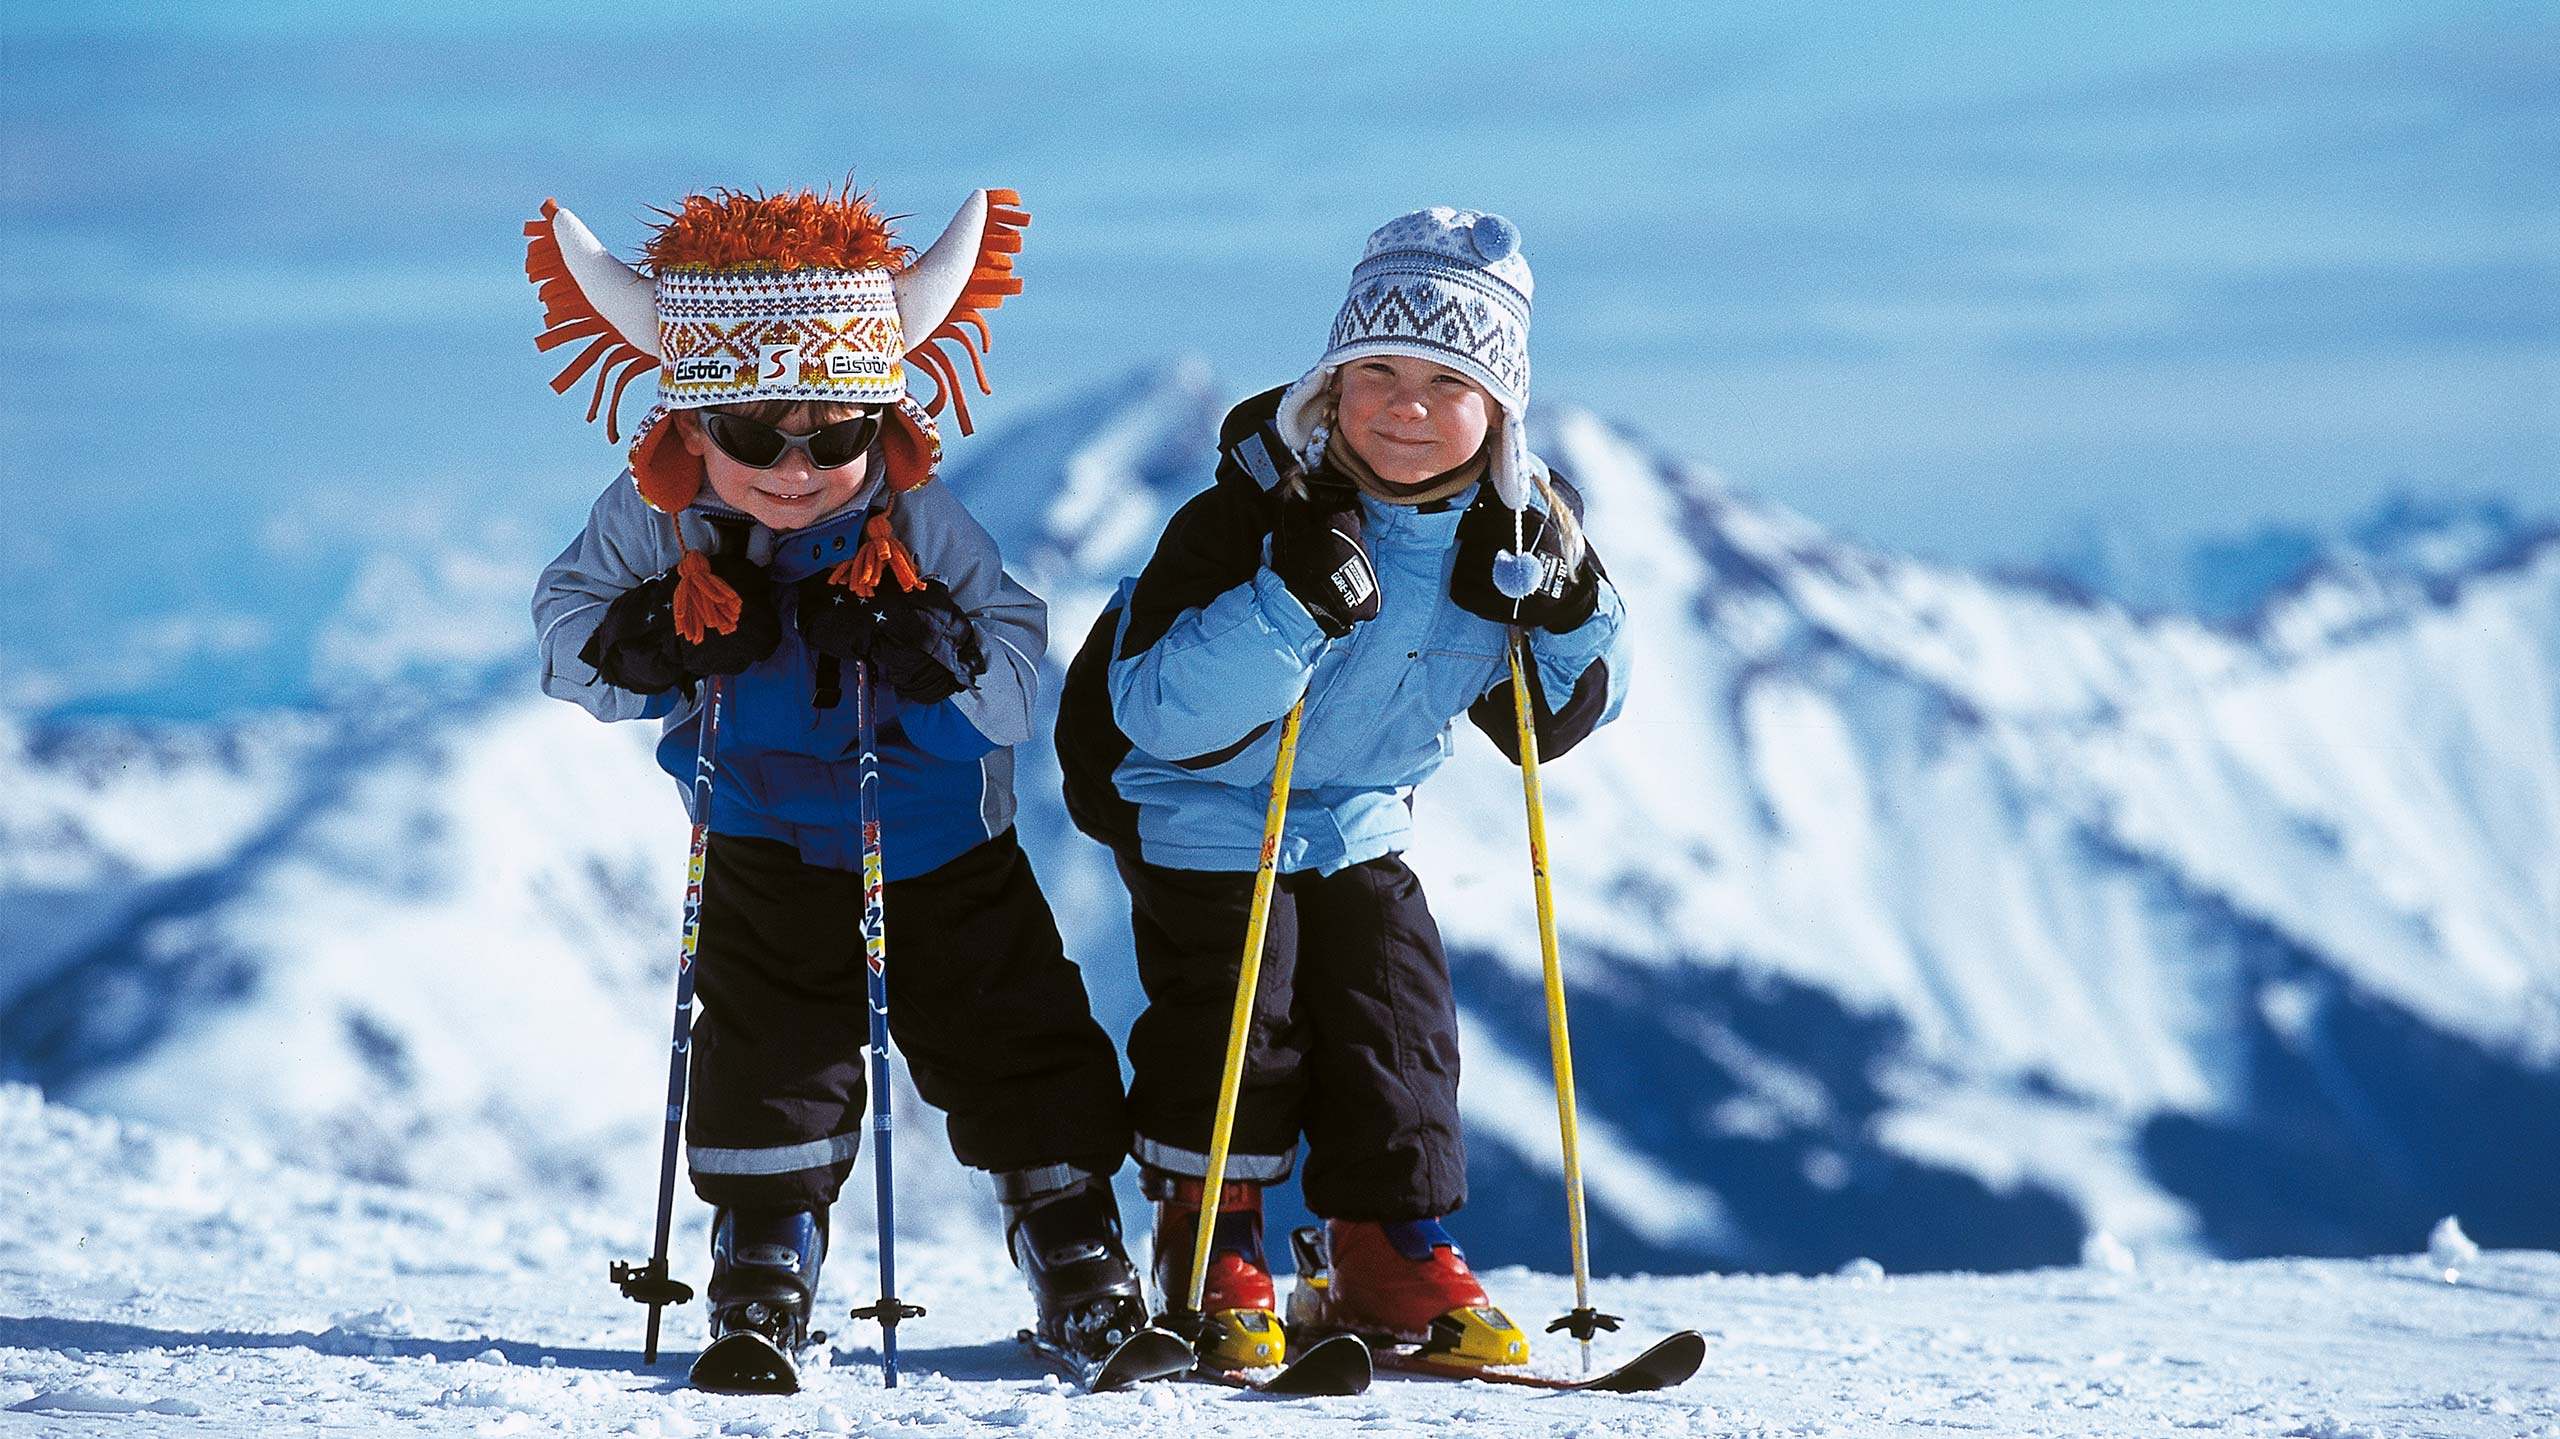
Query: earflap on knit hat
column 1513, row 468
column 1305, row 411
column 668, row 475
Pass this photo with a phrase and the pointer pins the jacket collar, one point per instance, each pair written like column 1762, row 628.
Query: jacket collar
column 813, row 549
column 787, row 554
column 1387, row 523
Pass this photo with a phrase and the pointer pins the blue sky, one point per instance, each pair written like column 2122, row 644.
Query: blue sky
column 1956, row 282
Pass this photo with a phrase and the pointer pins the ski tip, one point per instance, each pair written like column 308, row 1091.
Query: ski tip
column 744, row 1363
column 1688, row 1343
column 1335, row 1366
column 1149, row 1354
column 1673, row 1360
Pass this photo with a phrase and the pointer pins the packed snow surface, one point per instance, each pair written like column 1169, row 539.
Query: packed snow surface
column 152, row 1282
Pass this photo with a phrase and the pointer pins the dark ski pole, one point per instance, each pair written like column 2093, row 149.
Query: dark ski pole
column 650, row 1284
column 875, row 957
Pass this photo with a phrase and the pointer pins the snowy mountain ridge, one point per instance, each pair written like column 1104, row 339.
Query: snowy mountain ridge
column 1909, row 913
column 2406, row 544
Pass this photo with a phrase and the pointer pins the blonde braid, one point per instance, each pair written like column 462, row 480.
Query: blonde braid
column 1569, row 541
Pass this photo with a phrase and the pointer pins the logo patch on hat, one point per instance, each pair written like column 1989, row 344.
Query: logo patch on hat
column 702, row 370
column 780, row 365
column 853, row 365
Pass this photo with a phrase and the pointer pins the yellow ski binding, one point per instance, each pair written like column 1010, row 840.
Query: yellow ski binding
column 1242, row 1339
column 1476, row 1336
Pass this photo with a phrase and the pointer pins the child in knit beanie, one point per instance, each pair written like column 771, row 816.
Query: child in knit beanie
column 1376, row 535
column 778, row 522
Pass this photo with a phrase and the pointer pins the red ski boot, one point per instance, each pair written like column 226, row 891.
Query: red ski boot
column 1240, row 1320
column 1409, row 1281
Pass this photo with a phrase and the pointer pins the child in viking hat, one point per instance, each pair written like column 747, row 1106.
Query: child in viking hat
column 778, row 520
column 1376, row 534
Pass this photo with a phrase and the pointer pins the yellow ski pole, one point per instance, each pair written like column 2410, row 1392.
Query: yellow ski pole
column 1584, row 1321
column 1248, row 983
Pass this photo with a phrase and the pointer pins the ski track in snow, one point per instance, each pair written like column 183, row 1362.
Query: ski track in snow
column 154, row 1282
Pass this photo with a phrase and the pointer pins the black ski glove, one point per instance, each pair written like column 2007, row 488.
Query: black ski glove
column 636, row 646
column 918, row 641
column 1559, row 599
column 1316, row 547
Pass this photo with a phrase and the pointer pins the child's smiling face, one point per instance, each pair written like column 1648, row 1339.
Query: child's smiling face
column 793, row 493
column 1409, row 418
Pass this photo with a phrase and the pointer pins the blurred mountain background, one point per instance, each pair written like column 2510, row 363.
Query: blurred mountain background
column 1911, row 914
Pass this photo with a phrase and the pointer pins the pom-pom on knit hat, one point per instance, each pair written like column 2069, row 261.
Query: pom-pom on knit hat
column 1448, row 286
column 800, row 297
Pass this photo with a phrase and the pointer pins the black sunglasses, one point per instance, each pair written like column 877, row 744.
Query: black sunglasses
column 760, row 446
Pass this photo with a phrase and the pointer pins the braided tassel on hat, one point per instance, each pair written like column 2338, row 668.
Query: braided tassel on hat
column 704, row 602
column 881, row 553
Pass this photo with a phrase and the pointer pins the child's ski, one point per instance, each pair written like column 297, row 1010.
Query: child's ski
column 743, row 1361
column 1336, row 1365
column 1670, row 1361
column 1148, row 1354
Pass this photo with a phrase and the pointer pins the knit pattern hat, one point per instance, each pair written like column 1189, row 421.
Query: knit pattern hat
column 1443, row 285
column 803, row 297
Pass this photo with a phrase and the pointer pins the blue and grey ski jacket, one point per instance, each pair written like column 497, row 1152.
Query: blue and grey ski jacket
column 788, row 769
column 1171, row 717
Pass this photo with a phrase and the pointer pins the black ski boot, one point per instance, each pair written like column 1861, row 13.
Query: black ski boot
column 1063, row 1229
column 764, row 1276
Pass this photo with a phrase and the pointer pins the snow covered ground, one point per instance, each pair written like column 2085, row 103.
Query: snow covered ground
column 153, row 1282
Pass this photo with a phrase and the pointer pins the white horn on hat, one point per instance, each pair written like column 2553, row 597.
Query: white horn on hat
column 627, row 299
column 929, row 288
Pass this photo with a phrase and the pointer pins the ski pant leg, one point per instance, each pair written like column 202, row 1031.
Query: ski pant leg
column 1189, row 926
column 777, row 1089
column 993, row 1018
column 1382, row 1102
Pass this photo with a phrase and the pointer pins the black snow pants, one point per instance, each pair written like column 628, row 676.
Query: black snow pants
column 983, row 1002
column 1354, row 1042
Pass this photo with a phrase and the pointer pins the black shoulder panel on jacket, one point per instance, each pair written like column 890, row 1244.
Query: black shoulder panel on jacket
column 1247, row 417
column 1212, row 544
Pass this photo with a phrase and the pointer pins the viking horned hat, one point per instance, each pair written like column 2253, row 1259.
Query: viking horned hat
column 803, row 297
